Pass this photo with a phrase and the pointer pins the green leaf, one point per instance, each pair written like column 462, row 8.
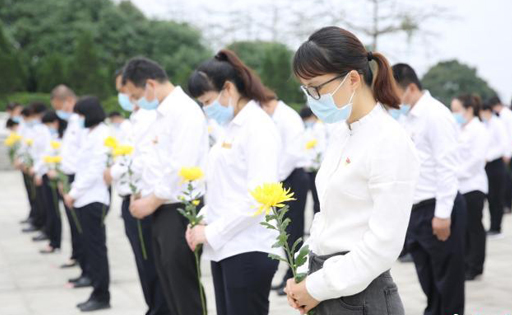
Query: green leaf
column 297, row 242
column 300, row 277
column 285, row 224
column 282, row 212
column 302, row 256
column 268, row 226
column 277, row 257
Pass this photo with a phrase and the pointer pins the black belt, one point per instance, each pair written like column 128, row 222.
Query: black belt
column 424, row 203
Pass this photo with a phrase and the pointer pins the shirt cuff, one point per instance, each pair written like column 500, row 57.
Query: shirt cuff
column 73, row 193
column 443, row 212
column 116, row 171
column 317, row 287
column 213, row 237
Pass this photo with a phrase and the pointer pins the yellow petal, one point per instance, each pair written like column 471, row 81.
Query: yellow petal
column 191, row 173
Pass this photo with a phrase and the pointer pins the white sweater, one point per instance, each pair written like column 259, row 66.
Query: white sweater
column 365, row 185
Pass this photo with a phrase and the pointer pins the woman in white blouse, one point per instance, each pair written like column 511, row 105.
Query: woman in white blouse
column 90, row 198
column 473, row 184
column 243, row 158
column 365, row 184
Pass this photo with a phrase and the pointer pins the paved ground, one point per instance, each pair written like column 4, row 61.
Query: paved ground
column 31, row 283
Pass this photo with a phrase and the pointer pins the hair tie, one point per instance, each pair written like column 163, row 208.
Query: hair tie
column 370, row 56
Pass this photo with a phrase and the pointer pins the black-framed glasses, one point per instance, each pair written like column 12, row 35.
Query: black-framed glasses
column 314, row 91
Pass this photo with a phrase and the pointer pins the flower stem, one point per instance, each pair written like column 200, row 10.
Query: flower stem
column 75, row 218
column 141, row 239
column 55, row 198
column 201, row 289
column 287, row 250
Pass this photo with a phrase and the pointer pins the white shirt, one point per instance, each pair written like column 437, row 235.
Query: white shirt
column 436, row 135
column 215, row 132
column 473, row 145
column 318, row 133
column 291, row 131
column 498, row 139
column 40, row 148
column 89, row 186
column 141, row 122
column 121, row 132
column 71, row 144
column 506, row 117
column 365, row 186
column 246, row 157
column 179, row 139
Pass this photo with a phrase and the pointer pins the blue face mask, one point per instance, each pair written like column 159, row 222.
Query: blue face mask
column 16, row 119
column 309, row 124
column 63, row 115
column 396, row 113
column 81, row 122
column 461, row 120
column 149, row 105
column 124, row 101
column 221, row 114
column 53, row 131
column 325, row 108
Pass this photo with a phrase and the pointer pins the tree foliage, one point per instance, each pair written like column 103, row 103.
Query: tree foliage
column 448, row 79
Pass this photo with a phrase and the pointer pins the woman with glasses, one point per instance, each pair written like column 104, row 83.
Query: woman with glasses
column 365, row 184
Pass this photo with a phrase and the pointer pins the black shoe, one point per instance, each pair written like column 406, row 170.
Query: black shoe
column 407, row 258
column 39, row 238
column 49, row 250
column 279, row 286
column 72, row 263
column 470, row 276
column 507, row 210
column 281, row 292
column 79, row 305
column 83, row 282
column 29, row 229
column 94, row 305
column 26, row 221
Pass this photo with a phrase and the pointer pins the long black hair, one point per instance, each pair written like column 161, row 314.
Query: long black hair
column 90, row 107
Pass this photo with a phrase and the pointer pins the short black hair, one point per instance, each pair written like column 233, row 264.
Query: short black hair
column 139, row 69
column 49, row 117
column 306, row 112
column 90, row 107
column 12, row 106
column 26, row 112
column 405, row 75
column 494, row 101
column 37, row 108
column 114, row 113
column 487, row 105
column 10, row 123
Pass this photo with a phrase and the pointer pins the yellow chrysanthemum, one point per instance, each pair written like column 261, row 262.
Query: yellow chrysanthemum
column 12, row 139
column 271, row 195
column 111, row 142
column 311, row 144
column 29, row 142
column 190, row 174
column 196, row 202
column 52, row 159
column 55, row 145
column 122, row 150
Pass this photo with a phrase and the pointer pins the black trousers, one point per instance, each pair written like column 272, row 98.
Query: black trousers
column 153, row 294
column 53, row 221
column 439, row 265
column 76, row 247
column 497, row 175
column 298, row 182
column 242, row 283
column 31, row 194
column 475, row 234
column 175, row 262
column 94, row 241
column 507, row 202
column 312, row 187
column 40, row 211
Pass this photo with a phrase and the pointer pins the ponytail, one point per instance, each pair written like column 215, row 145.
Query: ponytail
column 336, row 50
column 226, row 66
column 384, row 85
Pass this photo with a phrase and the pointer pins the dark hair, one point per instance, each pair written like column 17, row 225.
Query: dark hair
column 10, row 123
column 487, row 105
column 494, row 101
column 37, row 108
column 50, row 117
column 139, row 69
column 26, row 112
column 306, row 112
column 335, row 50
column 471, row 101
column 405, row 75
column 226, row 66
column 90, row 107
column 12, row 106
column 114, row 114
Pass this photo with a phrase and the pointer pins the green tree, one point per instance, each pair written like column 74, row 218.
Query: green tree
column 12, row 77
column 448, row 79
column 51, row 71
column 272, row 62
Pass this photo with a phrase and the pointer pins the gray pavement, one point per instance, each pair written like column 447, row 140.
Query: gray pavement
column 31, row 283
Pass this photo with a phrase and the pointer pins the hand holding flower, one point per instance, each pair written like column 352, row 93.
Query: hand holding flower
column 299, row 297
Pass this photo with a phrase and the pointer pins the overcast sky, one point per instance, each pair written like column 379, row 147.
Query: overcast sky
column 479, row 33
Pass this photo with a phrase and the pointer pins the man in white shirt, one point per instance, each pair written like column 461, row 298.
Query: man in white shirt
column 179, row 139
column 63, row 100
column 291, row 170
column 140, row 123
column 436, row 233
column 506, row 116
